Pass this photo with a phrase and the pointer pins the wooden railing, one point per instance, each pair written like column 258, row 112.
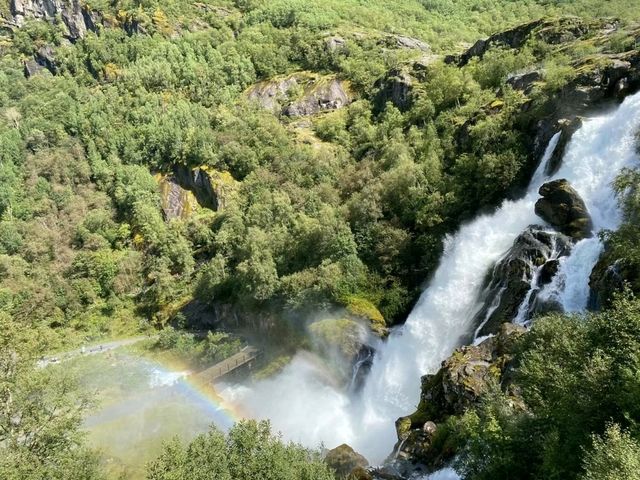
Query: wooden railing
column 243, row 357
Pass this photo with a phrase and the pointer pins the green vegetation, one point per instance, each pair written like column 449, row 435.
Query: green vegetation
column 40, row 415
column 194, row 350
column 354, row 217
column 345, row 210
column 249, row 451
column 579, row 382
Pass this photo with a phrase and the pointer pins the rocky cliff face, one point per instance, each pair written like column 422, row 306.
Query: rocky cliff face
column 552, row 32
column 212, row 189
column 301, row 94
column 76, row 17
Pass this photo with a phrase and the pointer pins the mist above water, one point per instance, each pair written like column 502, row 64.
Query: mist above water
column 308, row 408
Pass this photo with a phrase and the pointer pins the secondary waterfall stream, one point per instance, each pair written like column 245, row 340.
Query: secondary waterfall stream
column 307, row 409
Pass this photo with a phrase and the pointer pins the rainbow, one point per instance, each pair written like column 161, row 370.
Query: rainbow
column 167, row 382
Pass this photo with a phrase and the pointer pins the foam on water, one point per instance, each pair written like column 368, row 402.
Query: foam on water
column 305, row 408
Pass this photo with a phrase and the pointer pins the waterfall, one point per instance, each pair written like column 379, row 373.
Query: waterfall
column 308, row 410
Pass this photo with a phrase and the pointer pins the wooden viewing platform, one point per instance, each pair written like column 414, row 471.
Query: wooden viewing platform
column 234, row 362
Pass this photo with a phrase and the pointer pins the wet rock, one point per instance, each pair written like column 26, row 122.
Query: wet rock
column 526, row 266
column 464, row 378
column 301, row 94
column 361, row 368
column 548, row 271
column 607, row 277
column 346, row 344
column 343, row 336
column 76, row 17
column 347, row 463
column 567, row 127
column 562, row 207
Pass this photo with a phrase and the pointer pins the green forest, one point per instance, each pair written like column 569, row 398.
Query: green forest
column 345, row 208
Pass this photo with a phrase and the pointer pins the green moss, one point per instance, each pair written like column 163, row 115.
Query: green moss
column 362, row 308
column 272, row 368
column 342, row 333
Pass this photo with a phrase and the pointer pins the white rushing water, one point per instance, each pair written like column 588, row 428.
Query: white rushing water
column 306, row 408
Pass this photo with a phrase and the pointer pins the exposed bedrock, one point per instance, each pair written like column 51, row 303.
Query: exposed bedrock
column 301, row 94
column 529, row 264
column 76, row 16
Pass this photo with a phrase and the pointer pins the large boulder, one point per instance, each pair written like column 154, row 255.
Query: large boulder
column 346, row 462
column 529, row 264
column 605, row 280
column 562, row 207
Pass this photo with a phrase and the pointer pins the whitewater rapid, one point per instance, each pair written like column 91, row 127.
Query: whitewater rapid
column 309, row 410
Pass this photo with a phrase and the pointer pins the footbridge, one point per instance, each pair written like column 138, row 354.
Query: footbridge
column 244, row 358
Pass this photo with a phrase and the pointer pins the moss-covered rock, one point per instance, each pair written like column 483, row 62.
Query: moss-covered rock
column 346, row 462
column 553, row 31
column 176, row 202
column 363, row 309
column 562, row 207
column 212, row 189
column 342, row 335
column 465, row 377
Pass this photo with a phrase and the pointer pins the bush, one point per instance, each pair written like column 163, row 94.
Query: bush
column 249, row 451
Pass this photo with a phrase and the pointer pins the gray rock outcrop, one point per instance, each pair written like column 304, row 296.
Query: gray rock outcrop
column 463, row 379
column 529, row 264
column 76, row 17
column 301, row 94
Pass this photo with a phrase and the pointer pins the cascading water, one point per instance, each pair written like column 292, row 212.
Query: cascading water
column 305, row 408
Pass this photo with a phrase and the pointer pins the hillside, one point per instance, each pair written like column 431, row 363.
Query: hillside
column 260, row 164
